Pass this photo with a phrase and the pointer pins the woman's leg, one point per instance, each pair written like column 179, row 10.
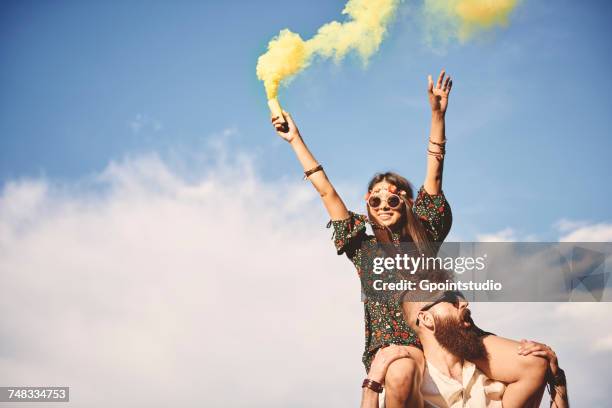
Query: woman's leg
column 525, row 375
column 403, row 381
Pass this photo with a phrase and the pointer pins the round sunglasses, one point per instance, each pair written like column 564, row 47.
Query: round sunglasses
column 453, row 297
column 392, row 200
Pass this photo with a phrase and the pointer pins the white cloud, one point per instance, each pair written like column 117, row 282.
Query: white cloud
column 603, row 344
column 592, row 321
column 585, row 232
column 181, row 287
column 504, row 235
column 565, row 224
column 570, row 231
column 20, row 200
column 223, row 291
column 578, row 332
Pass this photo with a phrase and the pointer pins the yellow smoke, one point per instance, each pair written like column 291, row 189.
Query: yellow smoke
column 288, row 54
column 462, row 19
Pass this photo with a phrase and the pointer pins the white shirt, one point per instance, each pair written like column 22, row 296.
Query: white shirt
column 475, row 391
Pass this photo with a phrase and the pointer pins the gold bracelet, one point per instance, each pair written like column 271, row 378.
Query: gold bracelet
column 308, row 173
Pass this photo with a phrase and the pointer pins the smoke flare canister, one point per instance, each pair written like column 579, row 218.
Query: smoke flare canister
column 276, row 110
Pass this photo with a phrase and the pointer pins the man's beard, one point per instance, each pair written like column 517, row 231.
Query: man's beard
column 462, row 341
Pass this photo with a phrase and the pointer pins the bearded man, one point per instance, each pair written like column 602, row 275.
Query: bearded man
column 451, row 344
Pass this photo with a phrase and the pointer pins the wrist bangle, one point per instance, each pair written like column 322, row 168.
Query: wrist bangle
column 441, row 144
column 307, row 173
column 373, row 385
column 437, row 155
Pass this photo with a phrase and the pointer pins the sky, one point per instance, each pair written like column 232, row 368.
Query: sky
column 136, row 156
column 88, row 82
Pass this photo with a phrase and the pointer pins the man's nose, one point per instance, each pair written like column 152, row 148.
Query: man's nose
column 463, row 304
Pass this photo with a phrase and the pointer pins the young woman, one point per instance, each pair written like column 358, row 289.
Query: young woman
column 396, row 216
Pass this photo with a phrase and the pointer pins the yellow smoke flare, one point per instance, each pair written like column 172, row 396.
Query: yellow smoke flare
column 483, row 14
column 288, row 54
column 464, row 18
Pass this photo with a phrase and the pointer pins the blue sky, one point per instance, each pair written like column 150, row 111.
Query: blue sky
column 528, row 124
column 130, row 130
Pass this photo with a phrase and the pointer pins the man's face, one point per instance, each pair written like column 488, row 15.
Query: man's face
column 457, row 309
column 454, row 330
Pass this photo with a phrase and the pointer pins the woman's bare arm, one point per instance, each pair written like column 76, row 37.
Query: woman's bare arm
column 558, row 391
column 331, row 200
column 378, row 371
column 438, row 99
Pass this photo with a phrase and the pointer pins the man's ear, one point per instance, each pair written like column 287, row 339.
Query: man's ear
column 426, row 320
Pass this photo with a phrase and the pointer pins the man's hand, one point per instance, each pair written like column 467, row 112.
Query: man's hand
column 438, row 93
column 541, row 350
column 292, row 132
column 383, row 359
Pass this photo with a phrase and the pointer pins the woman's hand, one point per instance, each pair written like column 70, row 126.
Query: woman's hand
column 383, row 359
column 438, row 93
column 289, row 132
column 541, row 350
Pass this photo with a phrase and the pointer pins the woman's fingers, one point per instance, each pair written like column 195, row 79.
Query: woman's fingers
column 450, row 85
column 429, row 83
column 540, row 354
column 525, row 344
column 440, row 79
column 277, row 121
column 531, row 347
column 529, row 350
column 289, row 120
column 445, row 86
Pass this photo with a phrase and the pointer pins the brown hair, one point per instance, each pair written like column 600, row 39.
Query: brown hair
column 412, row 230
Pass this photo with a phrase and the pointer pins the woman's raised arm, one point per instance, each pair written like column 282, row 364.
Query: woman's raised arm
column 331, row 200
column 438, row 99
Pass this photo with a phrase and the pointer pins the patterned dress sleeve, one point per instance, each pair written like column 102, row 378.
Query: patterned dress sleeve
column 435, row 213
column 349, row 233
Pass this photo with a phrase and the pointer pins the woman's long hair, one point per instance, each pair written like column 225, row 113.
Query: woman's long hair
column 412, row 229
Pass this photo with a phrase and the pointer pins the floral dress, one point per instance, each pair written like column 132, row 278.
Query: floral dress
column 384, row 321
